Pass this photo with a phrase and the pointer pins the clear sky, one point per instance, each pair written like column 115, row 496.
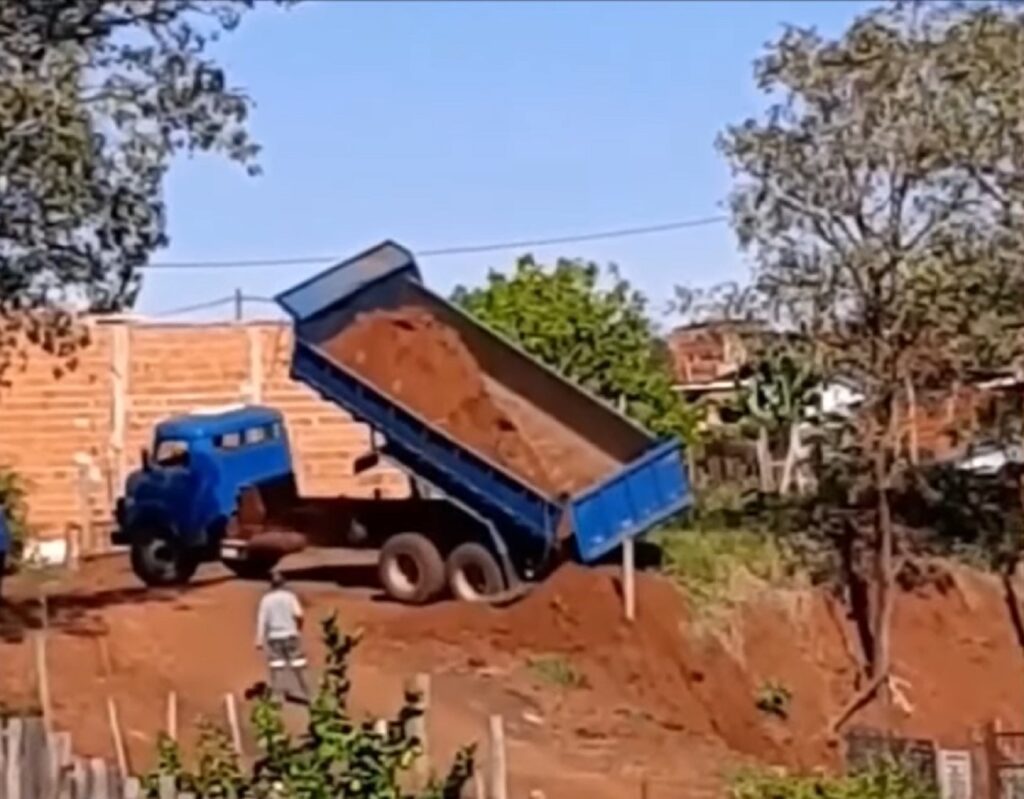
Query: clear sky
column 454, row 123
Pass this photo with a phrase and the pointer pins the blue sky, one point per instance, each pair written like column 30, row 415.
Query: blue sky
column 453, row 123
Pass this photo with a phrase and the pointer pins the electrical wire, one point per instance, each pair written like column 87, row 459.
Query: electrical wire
column 464, row 249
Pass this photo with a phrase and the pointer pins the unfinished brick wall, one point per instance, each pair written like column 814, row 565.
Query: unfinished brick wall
column 101, row 414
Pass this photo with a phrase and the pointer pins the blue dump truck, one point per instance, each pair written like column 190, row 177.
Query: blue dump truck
column 222, row 487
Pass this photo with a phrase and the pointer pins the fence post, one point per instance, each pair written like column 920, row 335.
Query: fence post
column 232, row 713
column 498, row 787
column 417, row 694
column 99, row 779
column 167, row 789
column 132, row 788
column 13, row 776
column 629, row 578
column 118, row 739
column 172, row 715
column 35, row 759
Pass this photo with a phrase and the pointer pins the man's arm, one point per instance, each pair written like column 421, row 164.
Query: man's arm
column 297, row 611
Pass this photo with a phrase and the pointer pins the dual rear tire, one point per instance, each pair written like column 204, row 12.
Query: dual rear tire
column 412, row 570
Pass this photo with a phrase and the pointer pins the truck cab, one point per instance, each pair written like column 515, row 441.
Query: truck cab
column 185, row 504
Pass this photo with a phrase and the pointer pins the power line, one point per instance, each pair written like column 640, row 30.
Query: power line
column 619, row 233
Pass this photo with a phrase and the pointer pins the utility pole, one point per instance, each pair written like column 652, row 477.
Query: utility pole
column 239, row 310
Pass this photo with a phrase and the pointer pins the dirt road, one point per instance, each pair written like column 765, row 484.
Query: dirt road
column 110, row 637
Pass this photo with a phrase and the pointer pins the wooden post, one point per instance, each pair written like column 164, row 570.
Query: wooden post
column 417, row 693
column 231, row 711
column 12, row 779
column 172, row 715
column 60, row 763
column 115, row 733
column 166, row 787
column 79, row 779
column 498, row 777
column 42, row 671
column 629, row 578
column 132, row 788
column 35, row 760
column 479, row 792
column 99, row 779
column 380, row 727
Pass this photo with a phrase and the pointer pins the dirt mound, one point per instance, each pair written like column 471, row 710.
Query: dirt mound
column 956, row 659
column 424, row 364
column 649, row 665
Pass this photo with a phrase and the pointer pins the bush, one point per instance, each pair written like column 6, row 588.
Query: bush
column 885, row 780
column 337, row 756
column 705, row 561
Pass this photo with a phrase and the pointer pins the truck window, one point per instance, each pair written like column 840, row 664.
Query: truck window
column 170, row 453
column 228, row 441
column 256, row 435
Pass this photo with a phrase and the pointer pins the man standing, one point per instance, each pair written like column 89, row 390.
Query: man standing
column 278, row 623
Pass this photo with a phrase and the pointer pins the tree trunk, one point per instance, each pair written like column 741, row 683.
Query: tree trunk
column 912, row 439
column 792, row 454
column 764, row 461
column 880, row 663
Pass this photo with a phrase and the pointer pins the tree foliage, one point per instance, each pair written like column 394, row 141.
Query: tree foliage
column 886, row 779
column 14, row 506
column 97, row 97
column 601, row 338
column 337, row 756
column 880, row 197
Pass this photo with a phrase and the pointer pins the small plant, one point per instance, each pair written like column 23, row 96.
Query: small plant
column 773, row 699
column 885, row 779
column 336, row 756
column 556, row 670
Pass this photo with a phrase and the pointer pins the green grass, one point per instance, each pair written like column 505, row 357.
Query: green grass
column 556, row 670
column 707, row 563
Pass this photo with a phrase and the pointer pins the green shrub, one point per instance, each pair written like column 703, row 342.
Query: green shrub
column 705, row 562
column 337, row 756
column 885, row 780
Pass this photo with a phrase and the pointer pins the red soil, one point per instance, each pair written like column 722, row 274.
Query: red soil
column 418, row 360
column 661, row 696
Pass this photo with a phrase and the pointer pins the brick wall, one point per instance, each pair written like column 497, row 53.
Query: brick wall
column 101, row 413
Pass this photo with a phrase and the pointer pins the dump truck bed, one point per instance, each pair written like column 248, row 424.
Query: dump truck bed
column 473, row 415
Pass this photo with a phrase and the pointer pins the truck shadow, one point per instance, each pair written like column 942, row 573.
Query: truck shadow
column 345, row 575
column 78, row 613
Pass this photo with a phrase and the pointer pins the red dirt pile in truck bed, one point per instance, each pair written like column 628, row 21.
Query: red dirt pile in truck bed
column 409, row 355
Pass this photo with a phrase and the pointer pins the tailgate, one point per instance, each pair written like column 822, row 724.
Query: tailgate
column 632, row 501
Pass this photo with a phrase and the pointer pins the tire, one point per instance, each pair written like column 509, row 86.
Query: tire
column 252, row 568
column 158, row 561
column 411, row 569
column 473, row 572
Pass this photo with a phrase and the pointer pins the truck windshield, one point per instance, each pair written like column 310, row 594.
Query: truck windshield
column 171, row 452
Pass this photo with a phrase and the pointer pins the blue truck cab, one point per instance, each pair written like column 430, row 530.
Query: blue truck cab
column 181, row 506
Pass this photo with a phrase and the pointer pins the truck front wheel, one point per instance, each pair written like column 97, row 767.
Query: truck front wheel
column 410, row 568
column 473, row 572
column 157, row 559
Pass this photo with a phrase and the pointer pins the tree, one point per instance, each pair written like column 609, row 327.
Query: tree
column 96, row 98
column 601, row 338
column 880, row 197
column 337, row 756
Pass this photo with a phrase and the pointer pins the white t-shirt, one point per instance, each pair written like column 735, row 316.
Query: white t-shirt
column 278, row 616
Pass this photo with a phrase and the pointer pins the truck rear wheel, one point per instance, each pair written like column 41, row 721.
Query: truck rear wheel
column 411, row 569
column 473, row 572
column 157, row 559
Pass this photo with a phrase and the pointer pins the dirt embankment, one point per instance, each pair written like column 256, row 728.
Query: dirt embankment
column 416, row 359
column 957, row 662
